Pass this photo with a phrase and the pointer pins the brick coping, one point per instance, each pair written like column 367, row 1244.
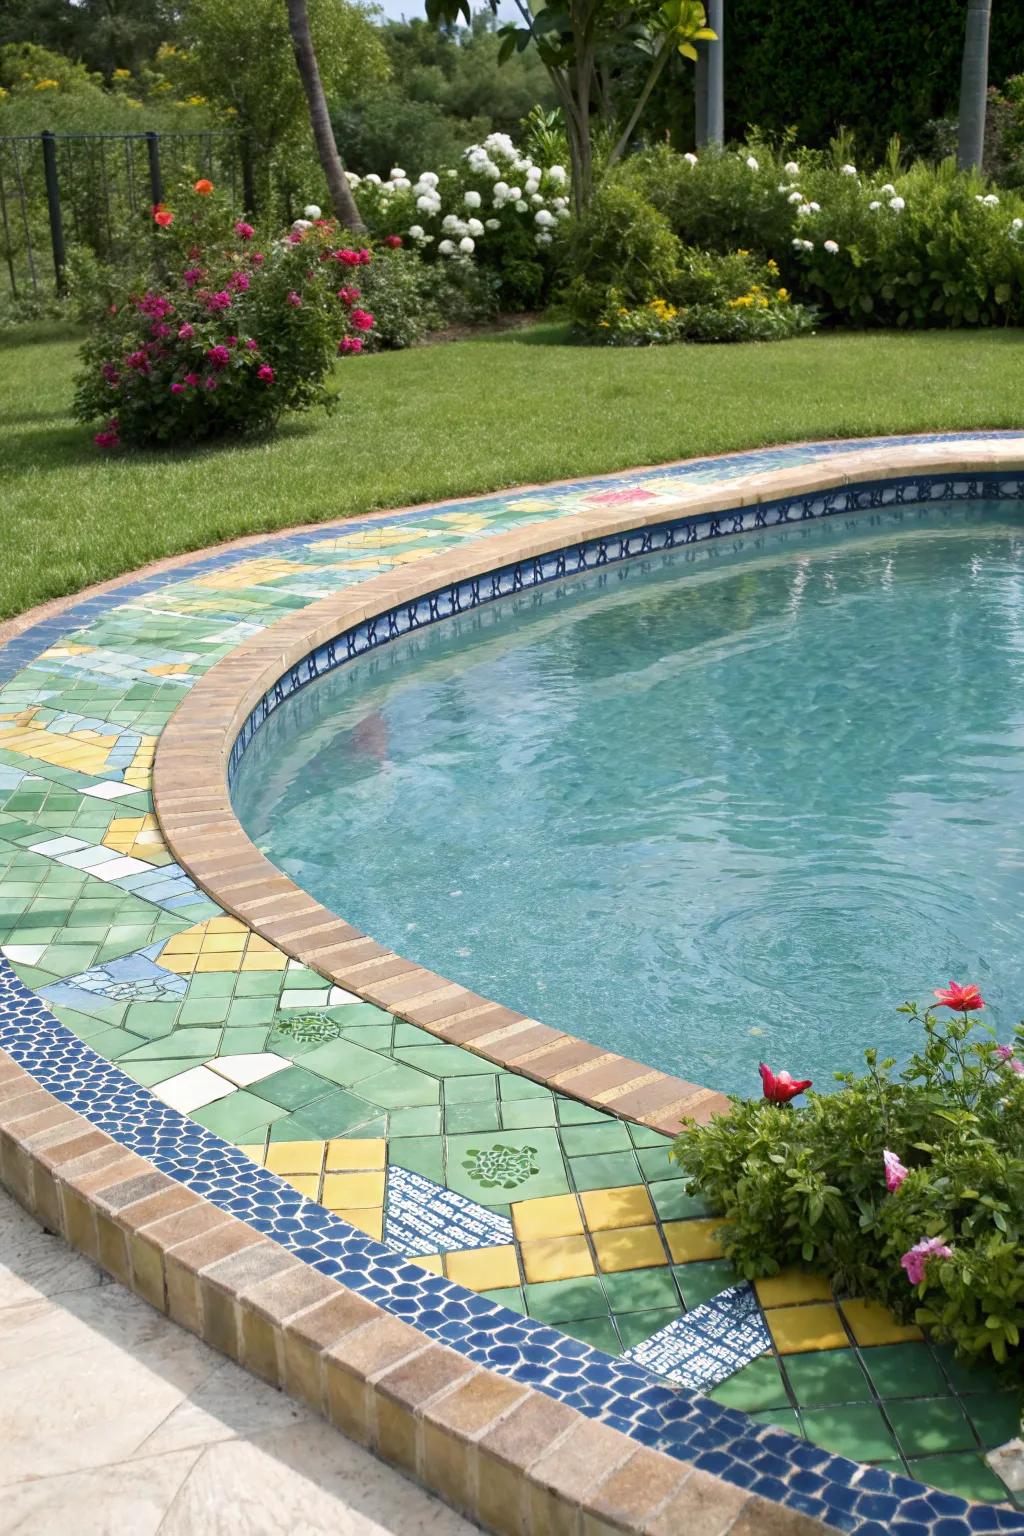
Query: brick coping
column 193, row 802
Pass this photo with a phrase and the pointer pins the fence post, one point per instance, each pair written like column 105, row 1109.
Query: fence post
column 53, row 203
column 156, row 185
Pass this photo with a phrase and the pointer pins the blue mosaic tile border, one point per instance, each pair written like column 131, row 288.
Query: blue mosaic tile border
column 606, row 550
column 860, row 1500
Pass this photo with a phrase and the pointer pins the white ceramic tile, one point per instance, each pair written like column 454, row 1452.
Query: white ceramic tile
column 22, row 954
column 250, row 1068
column 55, row 846
column 338, row 997
column 87, row 858
column 121, row 867
column 110, row 791
column 192, row 1089
column 304, row 999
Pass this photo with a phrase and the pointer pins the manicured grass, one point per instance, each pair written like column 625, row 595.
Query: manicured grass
column 450, row 420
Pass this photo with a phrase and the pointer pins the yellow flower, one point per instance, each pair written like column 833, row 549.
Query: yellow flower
column 771, row 267
column 743, row 302
column 663, row 309
column 742, row 253
column 782, row 293
column 47, row 85
column 196, row 101
column 122, row 74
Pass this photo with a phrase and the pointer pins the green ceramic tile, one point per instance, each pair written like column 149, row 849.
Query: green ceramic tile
column 673, row 1202
column 570, row 1112
column 702, row 1280
column 644, row 1136
column 398, row 1088
column 250, row 1010
column 556, row 1301
column 757, row 1387
column 996, row 1418
column 183, row 1042
column 424, row 1120
column 589, row 1140
column 238, row 1113
column 508, row 1296
column 968, row 1376
column 609, row 1170
column 506, row 1165
column 204, row 1010
column 151, row 1020
column 599, row 1332
column 336, row 1114
column 904, row 1370
column 782, row 1418
column 471, row 1117
column 656, row 1166
column 640, row 1290
column 634, row 1327
column 420, row 1154
column 522, row 1114
column 359, row 1015
column 258, row 984
column 344, row 1063
column 212, row 983
column 930, row 1425
column 245, row 1042
column 150, row 1072
column 965, row 1475
column 443, row 1060
column 512, row 1086
column 114, row 1043
column 479, row 1087
column 375, row 1037
column 824, row 1376
column 856, row 1430
column 292, row 1087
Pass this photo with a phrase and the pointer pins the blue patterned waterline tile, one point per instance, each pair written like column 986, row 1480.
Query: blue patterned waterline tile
column 710, row 1343
column 423, row 1217
column 619, row 1392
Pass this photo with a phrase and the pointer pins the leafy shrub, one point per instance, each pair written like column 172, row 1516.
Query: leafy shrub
column 722, row 201
column 906, row 1188
column 619, row 254
column 227, row 333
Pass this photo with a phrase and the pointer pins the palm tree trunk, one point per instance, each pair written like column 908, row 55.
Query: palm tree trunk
column 974, row 86
column 342, row 201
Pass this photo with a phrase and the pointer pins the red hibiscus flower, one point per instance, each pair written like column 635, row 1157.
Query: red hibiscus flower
column 780, row 1087
column 962, row 999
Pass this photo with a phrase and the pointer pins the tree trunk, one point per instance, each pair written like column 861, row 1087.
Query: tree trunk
column 974, row 86
column 342, row 201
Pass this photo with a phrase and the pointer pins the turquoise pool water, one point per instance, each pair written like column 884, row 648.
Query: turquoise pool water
column 729, row 804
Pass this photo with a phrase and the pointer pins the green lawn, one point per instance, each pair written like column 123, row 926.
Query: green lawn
column 448, row 420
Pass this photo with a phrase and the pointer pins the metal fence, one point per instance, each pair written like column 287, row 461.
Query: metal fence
column 92, row 190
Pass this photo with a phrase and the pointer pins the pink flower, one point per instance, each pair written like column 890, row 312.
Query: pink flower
column 365, row 257
column 218, row 301
column 295, row 238
column 106, row 439
column 1016, row 1065
column 266, row 373
column 219, row 357
column 113, row 378
column 895, row 1172
column 257, row 258
column 244, row 231
column 348, row 295
column 231, row 341
column 177, row 389
column 158, row 328
column 186, row 332
column 347, row 258
column 138, row 360
column 294, row 299
column 156, row 305
column 780, row 1087
column 915, row 1260
column 209, row 382
column 962, row 999
column 362, row 320
column 192, row 379
column 191, row 276
column 349, row 344
column 394, row 241
column 1004, row 1052
column 252, row 346
column 240, row 281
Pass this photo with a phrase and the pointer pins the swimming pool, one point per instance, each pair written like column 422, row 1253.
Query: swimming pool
column 702, row 808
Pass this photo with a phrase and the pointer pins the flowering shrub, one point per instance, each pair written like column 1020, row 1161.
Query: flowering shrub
column 228, row 331
column 497, row 210
column 908, row 1187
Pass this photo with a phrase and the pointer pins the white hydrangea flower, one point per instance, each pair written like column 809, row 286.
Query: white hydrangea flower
column 874, row 206
column 515, row 194
column 401, row 183
column 544, row 218
column 396, row 173
column 373, row 179
column 814, row 207
column 690, row 157
column 449, row 222
column 888, row 189
column 302, row 224
column 428, row 204
column 991, row 201
column 352, row 179
column 522, row 207
column 543, row 238
column 475, row 228
column 311, row 211
column 557, row 173
column 501, row 189
column 803, row 245
column 492, row 223
column 429, row 178
column 897, row 204
column 532, row 183
column 831, row 247
column 847, row 170
column 535, row 198
column 1017, row 223
column 559, row 202
column 804, row 210
column 472, row 199
column 563, row 213
column 752, row 164
column 467, row 246
column 791, row 168
column 447, row 248
column 451, row 173
column 416, row 231
column 500, row 141
column 795, row 197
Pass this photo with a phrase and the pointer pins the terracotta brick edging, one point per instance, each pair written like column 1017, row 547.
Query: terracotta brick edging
column 193, row 804
column 498, row 1451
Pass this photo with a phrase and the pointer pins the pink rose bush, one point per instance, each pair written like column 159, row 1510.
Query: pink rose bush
column 904, row 1185
column 228, row 331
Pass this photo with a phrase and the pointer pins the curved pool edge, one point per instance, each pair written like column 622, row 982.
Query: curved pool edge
column 471, row 1439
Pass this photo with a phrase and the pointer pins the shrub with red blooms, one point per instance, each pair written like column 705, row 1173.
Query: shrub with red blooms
column 227, row 331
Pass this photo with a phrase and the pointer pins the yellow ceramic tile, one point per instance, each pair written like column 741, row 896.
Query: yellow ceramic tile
column 690, row 1240
column 871, row 1323
column 353, row 1153
column 797, row 1329
column 629, row 1248
column 367, row 1220
column 434, row 1262
column 223, row 924
column 557, row 1258
column 254, row 961
column 550, row 1216
column 218, row 942
column 355, row 1191
column 484, row 1269
column 295, row 1156
column 608, row 1209
column 254, row 1152
column 792, row 1286
column 229, row 960
column 305, row 1183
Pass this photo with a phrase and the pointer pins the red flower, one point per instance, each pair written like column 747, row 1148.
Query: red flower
column 164, row 217
column 962, row 999
column 349, row 344
column 362, row 320
column 294, row 299
column 266, row 373
column 203, row 187
column 348, row 295
column 394, row 241
column 244, row 231
column 780, row 1087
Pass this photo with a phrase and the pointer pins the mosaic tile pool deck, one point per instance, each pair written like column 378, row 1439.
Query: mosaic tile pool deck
column 397, row 1162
